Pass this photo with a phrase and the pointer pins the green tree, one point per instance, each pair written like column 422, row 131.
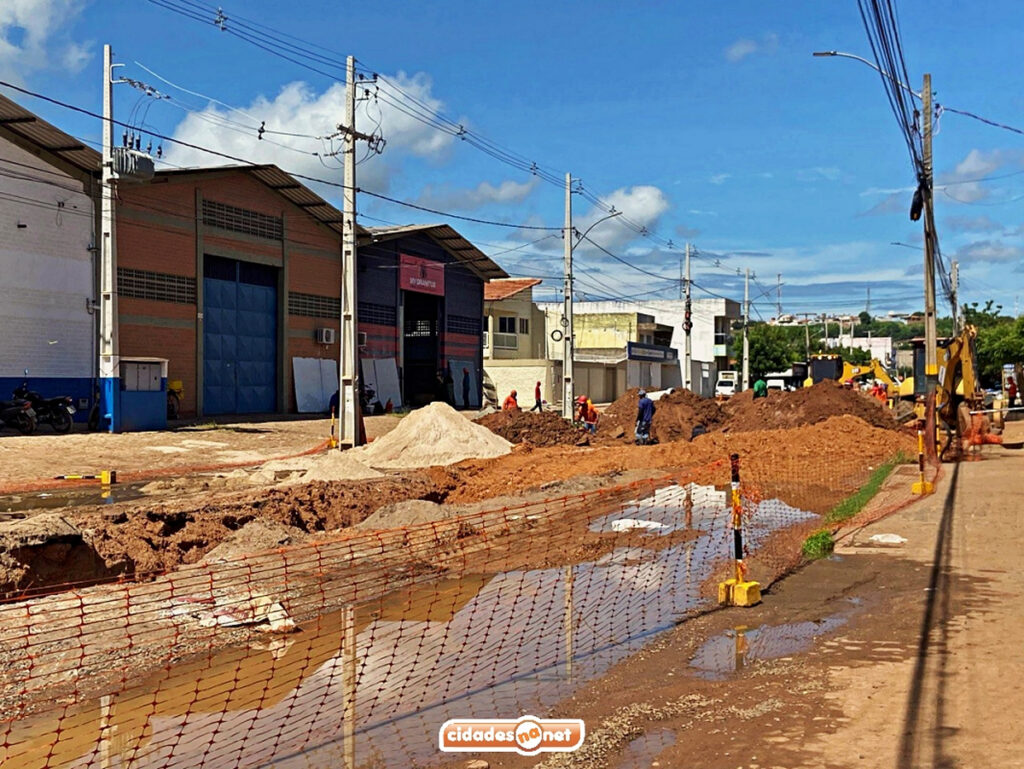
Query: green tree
column 998, row 343
column 987, row 317
column 771, row 348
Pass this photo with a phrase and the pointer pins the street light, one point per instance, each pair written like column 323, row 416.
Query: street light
column 568, row 384
column 922, row 204
column 855, row 57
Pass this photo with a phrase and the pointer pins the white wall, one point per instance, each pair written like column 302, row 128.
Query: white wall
column 522, row 376
column 45, row 269
column 668, row 311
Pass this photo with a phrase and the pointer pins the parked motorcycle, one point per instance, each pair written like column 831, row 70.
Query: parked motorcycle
column 56, row 412
column 19, row 415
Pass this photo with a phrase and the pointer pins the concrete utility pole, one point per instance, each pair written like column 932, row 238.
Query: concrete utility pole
column 109, row 363
column 746, row 340
column 931, row 365
column 688, row 328
column 348, row 352
column 867, row 304
column 568, row 392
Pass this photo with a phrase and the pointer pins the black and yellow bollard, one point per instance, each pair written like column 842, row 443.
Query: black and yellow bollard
column 738, row 591
column 921, row 486
column 334, row 440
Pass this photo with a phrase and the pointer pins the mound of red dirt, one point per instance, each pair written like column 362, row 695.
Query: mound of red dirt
column 807, row 406
column 545, row 428
column 675, row 414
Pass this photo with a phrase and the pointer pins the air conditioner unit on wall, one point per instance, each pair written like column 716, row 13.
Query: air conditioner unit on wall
column 326, row 335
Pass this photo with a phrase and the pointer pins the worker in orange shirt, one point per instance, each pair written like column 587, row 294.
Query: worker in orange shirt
column 510, row 404
column 587, row 414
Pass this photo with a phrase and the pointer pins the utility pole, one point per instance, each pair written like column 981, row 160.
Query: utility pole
column 931, row 365
column 778, row 296
column 954, row 279
column 568, row 393
column 746, row 322
column 348, row 353
column 109, row 363
column 687, row 328
column 824, row 319
column 867, row 304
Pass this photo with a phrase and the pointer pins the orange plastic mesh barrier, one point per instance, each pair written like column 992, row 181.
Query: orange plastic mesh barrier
column 354, row 650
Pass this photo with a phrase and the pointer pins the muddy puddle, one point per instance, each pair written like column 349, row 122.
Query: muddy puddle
column 20, row 505
column 722, row 655
column 479, row 646
column 644, row 750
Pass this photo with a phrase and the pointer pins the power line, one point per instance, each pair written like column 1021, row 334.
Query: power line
column 245, row 161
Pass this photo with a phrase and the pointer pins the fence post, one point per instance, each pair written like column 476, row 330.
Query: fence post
column 348, row 677
column 921, row 486
column 567, row 619
column 738, row 591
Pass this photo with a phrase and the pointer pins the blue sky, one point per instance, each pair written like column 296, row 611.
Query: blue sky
column 707, row 122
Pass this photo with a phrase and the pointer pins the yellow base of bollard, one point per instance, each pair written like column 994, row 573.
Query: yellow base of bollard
column 735, row 593
column 922, row 487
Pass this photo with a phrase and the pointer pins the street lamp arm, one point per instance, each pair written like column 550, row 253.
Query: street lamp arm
column 883, row 73
column 602, row 219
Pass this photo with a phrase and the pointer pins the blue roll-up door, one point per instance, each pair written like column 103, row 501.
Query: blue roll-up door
column 239, row 337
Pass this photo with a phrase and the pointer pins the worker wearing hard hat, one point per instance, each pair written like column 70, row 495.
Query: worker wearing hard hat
column 587, row 414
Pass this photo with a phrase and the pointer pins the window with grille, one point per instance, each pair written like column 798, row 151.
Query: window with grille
column 381, row 314
column 507, row 324
column 462, row 324
column 234, row 219
column 158, row 286
column 313, row 306
column 524, row 325
column 419, row 328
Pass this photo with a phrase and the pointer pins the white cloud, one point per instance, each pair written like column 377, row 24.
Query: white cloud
column 642, row 205
column 31, row 39
column 745, row 47
column 299, row 109
column 981, row 223
column 720, row 178
column 990, row 251
column 817, row 173
column 508, row 191
column 961, row 183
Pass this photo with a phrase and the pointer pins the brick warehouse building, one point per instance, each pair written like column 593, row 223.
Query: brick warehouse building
column 230, row 272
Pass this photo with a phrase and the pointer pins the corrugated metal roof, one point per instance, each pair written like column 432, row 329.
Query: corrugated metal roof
column 36, row 131
column 451, row 241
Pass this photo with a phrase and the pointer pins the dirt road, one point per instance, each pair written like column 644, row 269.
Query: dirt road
column 901, row 656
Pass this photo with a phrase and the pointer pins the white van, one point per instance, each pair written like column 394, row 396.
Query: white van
column 725, row 387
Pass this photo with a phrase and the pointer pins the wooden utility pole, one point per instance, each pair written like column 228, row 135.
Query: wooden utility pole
column 931, row 365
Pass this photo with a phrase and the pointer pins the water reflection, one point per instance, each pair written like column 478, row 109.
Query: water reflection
column 372, row 683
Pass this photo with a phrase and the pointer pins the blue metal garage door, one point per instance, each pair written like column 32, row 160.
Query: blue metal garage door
column 239, row 337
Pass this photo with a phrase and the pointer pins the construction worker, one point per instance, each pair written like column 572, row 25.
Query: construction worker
column 760, row 389
column 587, row 414
column 539, row 405
column 511, row 403
column 644, row 417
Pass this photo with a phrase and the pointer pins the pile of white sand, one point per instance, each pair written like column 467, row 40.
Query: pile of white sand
column 433, row 435
column 337, row 466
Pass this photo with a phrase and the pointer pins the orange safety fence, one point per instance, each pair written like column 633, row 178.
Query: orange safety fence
column 353, row 650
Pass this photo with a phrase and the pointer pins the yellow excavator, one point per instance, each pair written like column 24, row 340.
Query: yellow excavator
column 832, row 366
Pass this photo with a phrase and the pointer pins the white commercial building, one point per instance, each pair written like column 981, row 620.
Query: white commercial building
column 709, row 337
column 47, row 274
column 881, row 348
